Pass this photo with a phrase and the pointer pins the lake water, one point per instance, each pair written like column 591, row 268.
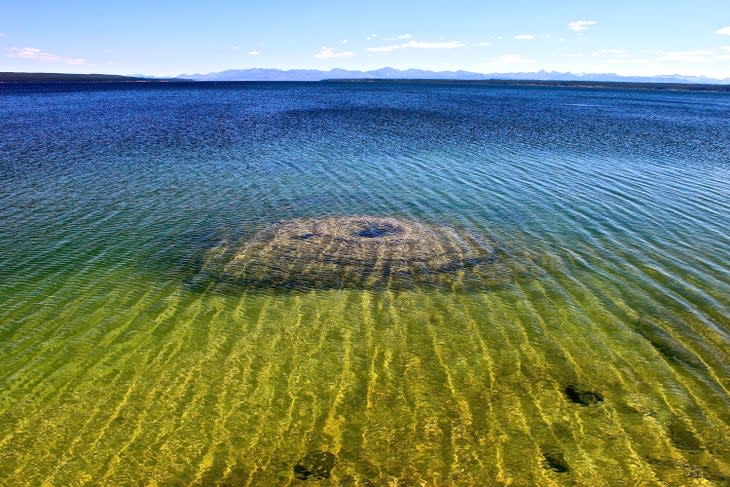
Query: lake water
column 594, row 351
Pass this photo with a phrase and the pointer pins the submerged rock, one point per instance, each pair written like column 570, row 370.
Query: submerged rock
column 360, row 252
column 554, row 460
column 581, row 396
column 315, row 465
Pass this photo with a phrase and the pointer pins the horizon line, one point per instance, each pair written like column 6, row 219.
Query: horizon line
column 17, row 77
column 584, row 76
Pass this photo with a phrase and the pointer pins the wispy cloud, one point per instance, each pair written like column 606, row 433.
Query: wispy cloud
column 485, row 44
column 330, row 53
column 512, row 59
column 418, row 45
column 524, row 37
column 579, row 25
column 723, row 31
column 371, row 37
column 617, row 53
column 253, row 53
column 32, row 53
column 401, row 37
column 697, row 56
column 508, row 62
column 35, row 54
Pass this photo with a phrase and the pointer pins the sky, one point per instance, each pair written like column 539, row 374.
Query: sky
column 163, row 38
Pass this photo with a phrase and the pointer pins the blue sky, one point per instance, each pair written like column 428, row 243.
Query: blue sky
column 164, row 38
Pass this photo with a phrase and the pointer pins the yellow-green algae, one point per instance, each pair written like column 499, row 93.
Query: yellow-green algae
column 401, row 387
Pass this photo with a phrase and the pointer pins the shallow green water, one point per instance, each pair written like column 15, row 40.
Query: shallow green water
column 120, row 366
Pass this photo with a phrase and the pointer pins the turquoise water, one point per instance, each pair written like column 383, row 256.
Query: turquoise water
column 125, row 361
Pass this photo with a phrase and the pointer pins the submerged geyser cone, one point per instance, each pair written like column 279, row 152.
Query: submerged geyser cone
column 354, row 252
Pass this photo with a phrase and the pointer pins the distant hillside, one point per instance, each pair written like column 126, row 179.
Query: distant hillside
column 73, row 78
column 264, row 74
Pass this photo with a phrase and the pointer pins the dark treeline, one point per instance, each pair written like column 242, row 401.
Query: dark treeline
column 8, row 77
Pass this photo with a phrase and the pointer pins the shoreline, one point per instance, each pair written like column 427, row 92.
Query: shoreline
column 53, row 78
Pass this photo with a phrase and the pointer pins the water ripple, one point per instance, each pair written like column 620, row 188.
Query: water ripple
column 613, row 206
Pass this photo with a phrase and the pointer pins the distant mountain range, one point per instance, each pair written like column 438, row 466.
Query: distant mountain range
column 546, row 78
column 264, row 74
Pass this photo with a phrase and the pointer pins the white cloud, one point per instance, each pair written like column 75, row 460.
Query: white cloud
column 524, row 37
column 383, row 48
column 253, row 53
column 710, row 62
column 35, row 54
column 329, row 53
column 418, row 45
column 371, row 37
column 400, row 37
column 32, row 53
column 697, row 56
column 579, row 25
column 485, row 44
column 724, row 31
column 508, row 62
column 619, row 53
column 512, row 59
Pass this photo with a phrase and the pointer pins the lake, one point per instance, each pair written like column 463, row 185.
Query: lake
column 363, row 284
